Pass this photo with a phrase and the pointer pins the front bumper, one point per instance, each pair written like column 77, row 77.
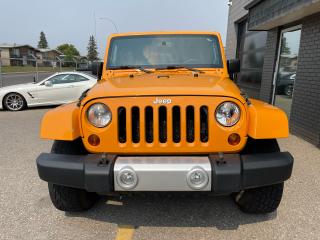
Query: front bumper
column 227, row 174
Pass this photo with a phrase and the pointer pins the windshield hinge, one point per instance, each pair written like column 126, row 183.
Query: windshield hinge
column 244, row 94
column 83, row 95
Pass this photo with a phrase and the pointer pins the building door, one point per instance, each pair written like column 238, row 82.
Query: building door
column 286, row 68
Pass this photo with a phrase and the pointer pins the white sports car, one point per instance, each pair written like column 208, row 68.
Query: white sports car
column 57, row 89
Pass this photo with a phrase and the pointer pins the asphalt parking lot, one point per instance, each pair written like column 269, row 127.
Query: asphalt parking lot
column 27, row 213
column 19, row 78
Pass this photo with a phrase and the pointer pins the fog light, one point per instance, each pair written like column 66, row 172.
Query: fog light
column 127, row 178
column 234, row 139
column 197, row 178
column 94, row 140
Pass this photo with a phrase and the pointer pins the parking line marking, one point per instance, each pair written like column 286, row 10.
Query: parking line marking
column 125, row 232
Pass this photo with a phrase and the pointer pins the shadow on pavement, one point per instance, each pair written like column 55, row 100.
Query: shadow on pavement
column 172, row 211
column 41, row 107
column 30, row 109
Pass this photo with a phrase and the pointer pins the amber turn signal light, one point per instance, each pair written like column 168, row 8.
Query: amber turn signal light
column 234, row 139
column 94, row 140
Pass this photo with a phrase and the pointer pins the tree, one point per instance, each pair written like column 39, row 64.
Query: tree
column 68, row 50
column 43, row 41
column 285, row 49
column 92, row 49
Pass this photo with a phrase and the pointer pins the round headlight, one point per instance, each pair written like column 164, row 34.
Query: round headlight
column 228, row 114
column 99, row 115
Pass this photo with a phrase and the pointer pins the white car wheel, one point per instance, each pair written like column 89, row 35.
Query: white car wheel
column 14, row 102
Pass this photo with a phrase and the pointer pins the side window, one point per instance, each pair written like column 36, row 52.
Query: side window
column 57, row 78
column 64, row 78
column 81, row 78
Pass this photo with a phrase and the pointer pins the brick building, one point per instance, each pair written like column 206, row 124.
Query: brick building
column 278, row 43
column 17, row 54
column 47, row 57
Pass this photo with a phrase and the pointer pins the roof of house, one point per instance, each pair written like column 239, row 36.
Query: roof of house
column 41, row 50
column 14, row 45
column 44, row 50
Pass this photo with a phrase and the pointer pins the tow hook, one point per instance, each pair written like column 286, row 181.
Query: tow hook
column 106, row 159
column 83, row 95
column 220, row 159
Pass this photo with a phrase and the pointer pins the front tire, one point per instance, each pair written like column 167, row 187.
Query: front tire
column 67, row 198
column 71, row 199
column 14, row 102
column 260, row 200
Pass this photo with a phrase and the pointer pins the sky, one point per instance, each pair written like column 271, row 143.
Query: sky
column 72, row 21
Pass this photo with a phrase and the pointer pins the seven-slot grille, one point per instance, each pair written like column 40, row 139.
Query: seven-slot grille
column 162, row 124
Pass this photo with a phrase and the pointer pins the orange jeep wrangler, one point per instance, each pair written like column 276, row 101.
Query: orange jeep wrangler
column 165, row 116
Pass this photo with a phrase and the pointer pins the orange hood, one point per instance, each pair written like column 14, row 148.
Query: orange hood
column 164, row 84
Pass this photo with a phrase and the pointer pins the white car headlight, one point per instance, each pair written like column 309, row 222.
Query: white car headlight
column 99, row 115
column 227, row 114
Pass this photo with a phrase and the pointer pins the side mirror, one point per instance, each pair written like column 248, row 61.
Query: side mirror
column 48, row 83
column 96, row 69
column 233, row 66
column 100, row 69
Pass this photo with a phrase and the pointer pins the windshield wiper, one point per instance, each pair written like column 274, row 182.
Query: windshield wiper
column 133, row 67
column 180, row 67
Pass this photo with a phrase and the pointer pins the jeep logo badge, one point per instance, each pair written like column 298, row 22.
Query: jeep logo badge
column 162, row 101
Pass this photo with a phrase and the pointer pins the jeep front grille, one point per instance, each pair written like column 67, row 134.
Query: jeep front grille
column 162, row 124
column 122, row 136
column 149, row 124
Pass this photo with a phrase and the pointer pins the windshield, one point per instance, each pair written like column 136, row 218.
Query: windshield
column 161, row 51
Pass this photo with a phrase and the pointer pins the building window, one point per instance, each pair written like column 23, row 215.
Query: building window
column 250, row 51
column 15, row 52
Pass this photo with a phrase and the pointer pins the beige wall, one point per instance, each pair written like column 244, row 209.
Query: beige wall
column 5, row 57
column 52, row 55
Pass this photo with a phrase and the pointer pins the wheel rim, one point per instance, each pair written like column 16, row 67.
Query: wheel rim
column 14, row 102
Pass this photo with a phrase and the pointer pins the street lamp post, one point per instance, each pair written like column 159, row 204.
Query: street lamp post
column 75, row 60
column 111, row 21
column 103, row 18
column 59, row 59
column 36, row 62
column 95, row 28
